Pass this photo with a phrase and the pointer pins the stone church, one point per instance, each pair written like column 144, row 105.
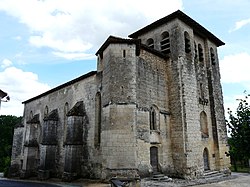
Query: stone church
column 154, row 105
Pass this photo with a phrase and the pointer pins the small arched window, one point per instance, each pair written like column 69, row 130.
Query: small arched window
column 150, row 43
column 66, row 109
column 153, row 118
column 203, row 125
column 187, row 42
column 46, row 111
column 212, row 56
column 200, row 51
column 31, row 115
column 165, row 43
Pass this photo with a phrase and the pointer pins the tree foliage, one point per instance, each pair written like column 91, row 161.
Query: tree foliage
column 239, row 129
column 7, row 124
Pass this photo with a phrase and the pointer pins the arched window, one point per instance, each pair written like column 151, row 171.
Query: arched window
column 165, row 43
column 152, row 119
column 31, row 115
column 46, row 111
column 200, row 51
column 203, row 125
column 212, row 56
column 150, row 43
column 98, row 119
column 187, row 42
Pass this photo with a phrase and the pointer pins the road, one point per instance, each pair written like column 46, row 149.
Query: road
column 12, row 183
column 241, row 180
column 22, row 183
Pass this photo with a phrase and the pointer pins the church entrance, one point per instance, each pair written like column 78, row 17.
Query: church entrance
column 206, row 159
column 154, row 159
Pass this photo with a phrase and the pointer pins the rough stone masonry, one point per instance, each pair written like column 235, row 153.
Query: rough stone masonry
column 154, row 105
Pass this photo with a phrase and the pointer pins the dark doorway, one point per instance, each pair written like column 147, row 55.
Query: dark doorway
column 154, row 159
column 206, row 159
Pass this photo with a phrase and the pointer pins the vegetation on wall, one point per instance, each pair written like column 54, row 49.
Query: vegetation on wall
column 7, row 124
column 239, row 129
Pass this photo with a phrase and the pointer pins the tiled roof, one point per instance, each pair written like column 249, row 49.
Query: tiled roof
column 198, row 29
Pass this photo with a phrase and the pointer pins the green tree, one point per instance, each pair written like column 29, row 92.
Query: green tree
column 7, row 124
column 239, row 129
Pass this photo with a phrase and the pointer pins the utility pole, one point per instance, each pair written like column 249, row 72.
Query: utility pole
column 3, row 97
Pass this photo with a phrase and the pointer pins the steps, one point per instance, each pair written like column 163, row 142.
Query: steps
column 161, row 177
column 211, row 175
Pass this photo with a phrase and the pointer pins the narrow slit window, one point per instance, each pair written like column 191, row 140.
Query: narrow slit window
column 124, row 53
column 98, row 119
column 66, row 109
column 152, row 119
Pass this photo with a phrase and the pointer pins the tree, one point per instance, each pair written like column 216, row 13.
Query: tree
column 7, row 124
column 239, row 129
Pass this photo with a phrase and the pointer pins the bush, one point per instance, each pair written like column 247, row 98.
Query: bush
column 5, row 165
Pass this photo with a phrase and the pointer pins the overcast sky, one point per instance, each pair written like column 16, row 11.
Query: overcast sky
column 44, row 43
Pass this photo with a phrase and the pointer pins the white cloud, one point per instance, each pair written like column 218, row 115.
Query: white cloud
column 17, row 38
column 235, row 71
column 20, row 86
column 240, row 24
column 75, row 56
column 81, row 26
column 5, row 63
column 235, row 68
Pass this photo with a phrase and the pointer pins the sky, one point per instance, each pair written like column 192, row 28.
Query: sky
column 44, row 43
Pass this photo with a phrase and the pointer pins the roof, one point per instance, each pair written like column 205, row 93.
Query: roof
column 2, row 94
column 137, row 42
column 118, row 40
column 198, row 29
column 62, row 86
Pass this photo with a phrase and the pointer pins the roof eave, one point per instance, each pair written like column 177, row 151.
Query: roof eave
column 117, row 40
column 186, row 19
column 61, row 86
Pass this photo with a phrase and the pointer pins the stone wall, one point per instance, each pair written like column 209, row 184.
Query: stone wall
column 16, row 156
column 118, row 143
column 152, row 91
column 142, row 112
column 190, row 92
column 59, row 100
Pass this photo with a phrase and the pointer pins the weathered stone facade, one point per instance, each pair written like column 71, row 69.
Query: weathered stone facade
column 153, row 105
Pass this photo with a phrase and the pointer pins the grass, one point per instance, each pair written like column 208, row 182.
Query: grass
column 240, row 169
